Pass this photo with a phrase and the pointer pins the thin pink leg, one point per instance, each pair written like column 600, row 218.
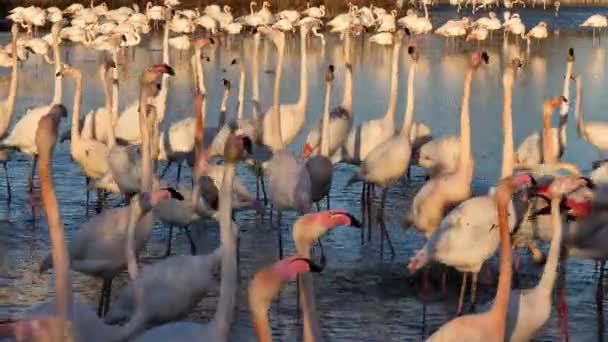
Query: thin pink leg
column 462, row 290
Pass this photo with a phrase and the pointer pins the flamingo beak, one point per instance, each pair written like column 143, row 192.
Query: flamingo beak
column 307, row 150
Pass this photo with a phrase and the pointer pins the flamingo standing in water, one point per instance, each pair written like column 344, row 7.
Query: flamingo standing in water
column 289, row 182
column 7, row 107
column 320, row 167
column 307, row 229
column 436, row 195
column 22, row 136
column 265, row 287
column 594, row 132
column 463, row 239
column 219, row 327
column 490, row 325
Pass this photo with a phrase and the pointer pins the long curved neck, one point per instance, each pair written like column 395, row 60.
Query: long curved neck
column 241, row 108
column 307, row 295
column 325, row 124
column 499, row 308
column 255, row 77
column 146, row 162
column 61, row 262
column 261, row 325
column 75, row 132
column 578, row 112
column 347, row 98
column 12, row 92
column 106, row 89
column 223, row 108
column 564, row 107
column 392, row 100
column 166, row 40
column 115, row 100
column 277, row 140
column 303, row 100
column 228, row 288
column 549, row 154
column 199, row 72
column 465, row 123
column 547, row 280
column 58, row 94
column 426, row 11
column 408, row 116
column 507, row 130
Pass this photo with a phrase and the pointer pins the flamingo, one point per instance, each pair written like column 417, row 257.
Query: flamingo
column 596, row 21
column 104, row 258
column 320, row 166
column 293, row 115
column 315, row 12
column 420, row 25
column 437, row 194
column 479, row 34
column 538, row 32
column 490, row 23
column 96, row 122
column 463, row 239
column 387, row 22
column 382, row 38
column 490, row 325
column 389, row 160
column 453, row 28
column 365, row 137
column 340, row 117
column 265, row 287
column 288, row 178
column 22, row 136
column 530, row 151
column 591, row 131
column 307, row 229
column 219, row 327
column 529, row 309
column 7, row 107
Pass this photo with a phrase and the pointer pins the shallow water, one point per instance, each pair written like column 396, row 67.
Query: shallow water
column 361, row 296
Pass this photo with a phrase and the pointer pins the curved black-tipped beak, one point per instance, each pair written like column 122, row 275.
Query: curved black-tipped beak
column 211, row 40
column 248, row 145
column 485, row 57
column 590, row 183
column 316, row 268
column 234, row 61
column 354, row 222
column 571, row 52
column 169, row 70
column 175, row 194
column 407, row 31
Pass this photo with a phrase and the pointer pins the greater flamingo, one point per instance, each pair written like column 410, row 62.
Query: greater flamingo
column 490, row 325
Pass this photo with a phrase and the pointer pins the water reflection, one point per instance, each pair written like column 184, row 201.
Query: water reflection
column 360, row 298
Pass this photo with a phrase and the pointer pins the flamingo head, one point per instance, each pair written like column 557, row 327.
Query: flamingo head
column 329, row 75
column 478, row 57
column 227, row 84
column 418, row 261
column 237, row 148
column 413, row 52
column 202, row 42
column 570, row 55
column 312, row 226
column 266, row 4
column 289, row 267
column 162, row 69
column 70, row 71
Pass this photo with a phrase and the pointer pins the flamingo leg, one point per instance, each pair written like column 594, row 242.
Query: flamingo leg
column 8, row 183
column 383, row 225
column 169, row 239
column 599, row 300
column 264, row 191
column 87, row 181
column 191, row 241
column 562, row 309
column 463, row 287
column 369, row 213
column 317, row 206
column 474, row 289
column 363, row 211
column 444, row 289
column 30, row 183
column 279, row 236
column 106, row 305
column 162, row 174
column 328, row 202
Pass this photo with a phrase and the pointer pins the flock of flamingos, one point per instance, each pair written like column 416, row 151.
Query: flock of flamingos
column 117, row 152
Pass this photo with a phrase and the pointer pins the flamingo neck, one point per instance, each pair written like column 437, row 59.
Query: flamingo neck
column 465, row 124
column 75, row 130
column 549, row 154
column 565, row 105
column 325, row 125
column 347, row 99
column 499, row 308
column 392, row 100
column 103, row 73
column 166, row 39
column 241, row 107
column 12, row 93
column 228, row 288
column 310, row 324
column 303, row 99
column 58, row 92
column 547, row 280
column 508, row 159
column 408, row 116
column 277, row 140
column 223, row 109
column 146, row 162
column 254, row 77
column 199, row 73
column 115, row 100
column 61, row 261
column 261, row 325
